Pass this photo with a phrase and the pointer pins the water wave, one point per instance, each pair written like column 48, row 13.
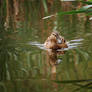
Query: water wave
column 72, row 44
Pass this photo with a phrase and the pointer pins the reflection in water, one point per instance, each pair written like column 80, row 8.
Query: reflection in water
column 52, row 55
column 24, row 66
column 53, row 60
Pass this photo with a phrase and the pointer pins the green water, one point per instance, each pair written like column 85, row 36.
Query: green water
column 25, row 66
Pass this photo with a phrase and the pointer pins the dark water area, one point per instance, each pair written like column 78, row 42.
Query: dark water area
column 26, row 66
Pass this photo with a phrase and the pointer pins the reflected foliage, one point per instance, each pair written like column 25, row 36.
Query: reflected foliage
column 24, row 67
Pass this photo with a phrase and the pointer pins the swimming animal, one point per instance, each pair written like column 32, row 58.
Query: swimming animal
column 55, row 41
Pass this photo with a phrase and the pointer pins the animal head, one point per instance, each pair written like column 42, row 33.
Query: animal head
column 59, row 38
column 55, row 34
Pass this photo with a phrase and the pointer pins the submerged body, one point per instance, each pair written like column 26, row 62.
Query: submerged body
column 55, row 41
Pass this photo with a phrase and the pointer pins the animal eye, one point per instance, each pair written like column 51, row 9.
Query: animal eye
column 64, row 40
column 54, row 34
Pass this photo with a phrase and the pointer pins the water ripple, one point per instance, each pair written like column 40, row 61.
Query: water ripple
column 72, row 44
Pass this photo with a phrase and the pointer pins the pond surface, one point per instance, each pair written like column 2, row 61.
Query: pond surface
column 25, row 66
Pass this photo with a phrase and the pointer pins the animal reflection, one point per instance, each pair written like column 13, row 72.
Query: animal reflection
column 53, row 62
column 53, row 59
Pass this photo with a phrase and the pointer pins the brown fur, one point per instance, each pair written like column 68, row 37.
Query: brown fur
column 52, row 42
